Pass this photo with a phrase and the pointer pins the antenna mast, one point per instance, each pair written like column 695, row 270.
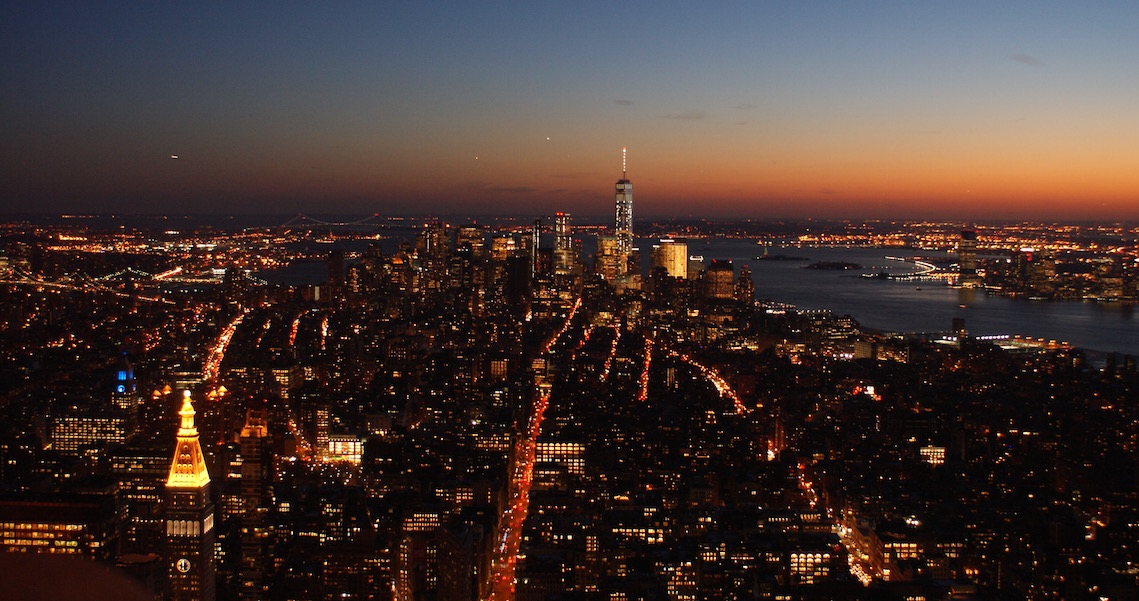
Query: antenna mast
column 623, row 151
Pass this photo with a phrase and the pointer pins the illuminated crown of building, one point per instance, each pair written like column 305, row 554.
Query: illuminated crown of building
column 254, row 425
column 188, row 470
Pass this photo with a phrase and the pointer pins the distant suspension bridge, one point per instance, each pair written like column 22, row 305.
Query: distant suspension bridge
column 302, row 220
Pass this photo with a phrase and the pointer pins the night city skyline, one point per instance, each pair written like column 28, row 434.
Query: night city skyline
column 501, row 411
column 964, row 111
column 355, row 301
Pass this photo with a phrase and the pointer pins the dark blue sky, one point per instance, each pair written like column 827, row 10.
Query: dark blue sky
column 895, row 109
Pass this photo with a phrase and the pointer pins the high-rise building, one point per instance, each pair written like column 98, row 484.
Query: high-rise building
column 535, row 242
column 672, row 256
column 138, row 472
column 314, row 420
column 123, row 396
column 967, row 258
column 503, row 246
column 562, row 240
column 719, row 279
column 336, row 268
column 189, row 516
column 459, row 562
column 623, row 227
column 94, row 427
column 472, row 237
column 745, row 287
column 82, row 523
column 256, row 476
column 611, row 264
column 433, row 241
column 565, row 257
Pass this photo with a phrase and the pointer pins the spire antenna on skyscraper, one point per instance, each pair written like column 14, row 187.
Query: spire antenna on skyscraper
column 624, row 213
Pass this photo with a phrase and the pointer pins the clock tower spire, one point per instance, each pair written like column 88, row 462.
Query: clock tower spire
column 189, row 516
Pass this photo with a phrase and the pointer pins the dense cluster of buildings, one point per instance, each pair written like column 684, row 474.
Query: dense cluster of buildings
column 478, row 413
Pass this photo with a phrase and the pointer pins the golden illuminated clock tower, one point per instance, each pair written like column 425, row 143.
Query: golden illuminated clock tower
column 189, row 516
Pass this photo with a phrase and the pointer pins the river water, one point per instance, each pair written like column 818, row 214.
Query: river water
column 909, row 307
column 903, row 307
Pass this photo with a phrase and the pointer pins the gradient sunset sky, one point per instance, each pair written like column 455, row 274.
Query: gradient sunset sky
column 967, row 110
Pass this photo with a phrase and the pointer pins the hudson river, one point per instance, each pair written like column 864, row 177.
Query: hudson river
column 921, row 306
column 904, row 307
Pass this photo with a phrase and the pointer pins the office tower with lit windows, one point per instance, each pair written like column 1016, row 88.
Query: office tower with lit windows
column 123, row 396
column 336, row 268
column 83, row 523
column 565, row 258
column 745, row 287
column 967, row 259
column 99, row 427
column 562, row 240
column 671, row 256
column 611, row 264
column 719, row 279
column 502, row 247
column 535, row 242
column 256, row 479
column 471, row 237
column 623, row 227
column 433, row 241
column 189, row 516
column 138, row 471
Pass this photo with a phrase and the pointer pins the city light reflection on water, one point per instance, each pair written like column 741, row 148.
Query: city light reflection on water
column 892, row 306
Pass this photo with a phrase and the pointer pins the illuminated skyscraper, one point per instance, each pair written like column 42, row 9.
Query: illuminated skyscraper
column 189, row 516
column 503, row 246
column 719, row 279
column 967, row 259
column 611, row 264
column 562, row 240
column 82, row 523
column 745, row 287
column 672, row 256
column 123, row 396
column 623, row 227
column 256, row 475
column 535, row 241
column 102, row 427
column 564, row 256
column 471, row 236
column 336, row 269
